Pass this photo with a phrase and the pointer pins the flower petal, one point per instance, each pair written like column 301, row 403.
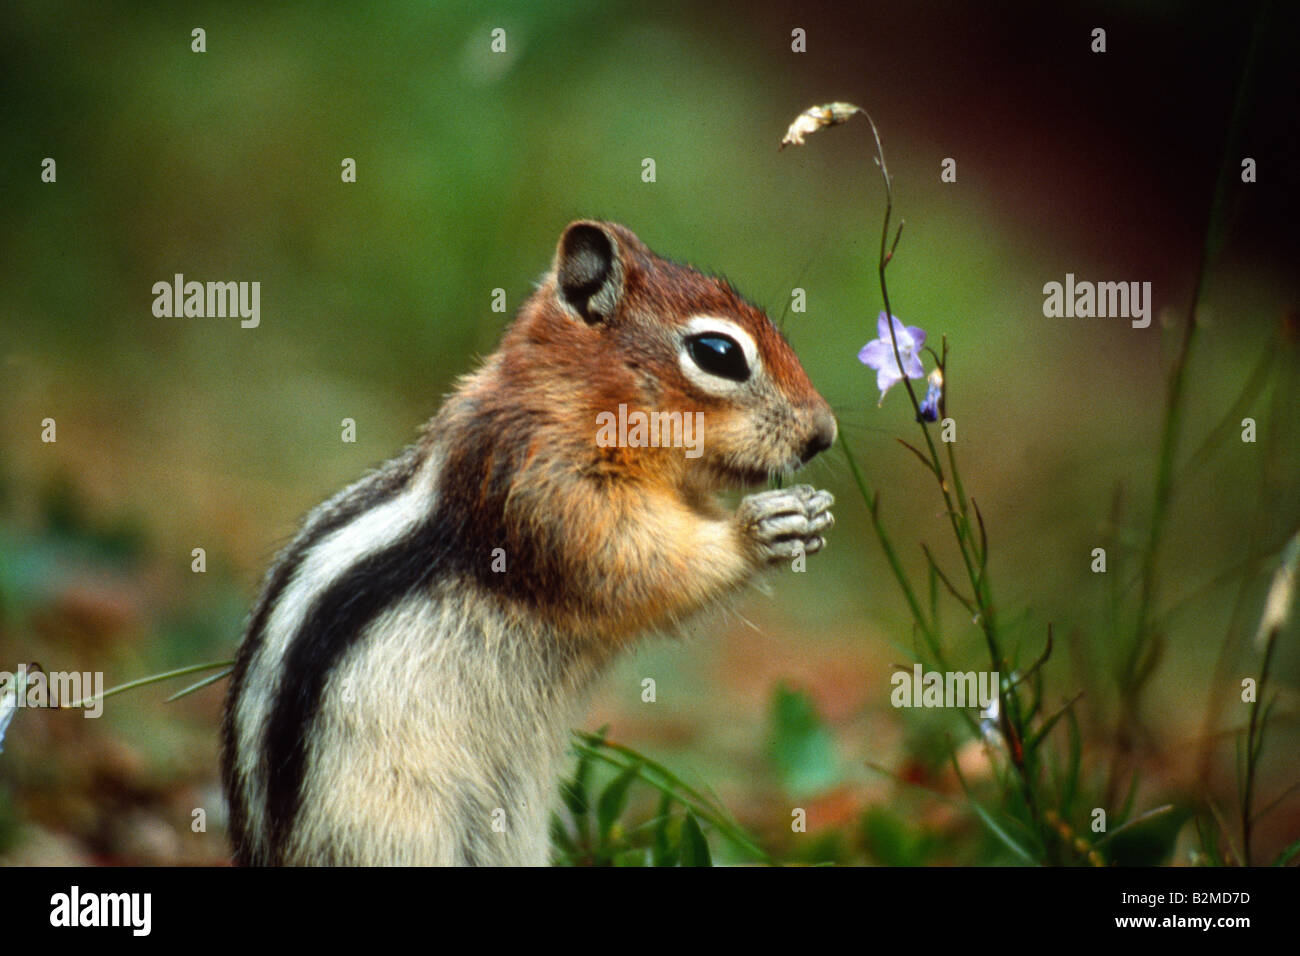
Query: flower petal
column 877, row 354
column 900, row 333
column 882, row 326
column 906, row 336
column 913, row 366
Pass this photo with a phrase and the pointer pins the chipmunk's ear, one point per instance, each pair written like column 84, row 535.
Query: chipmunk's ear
column 588, row 271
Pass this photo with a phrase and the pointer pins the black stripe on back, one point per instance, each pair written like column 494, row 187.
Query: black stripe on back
column 456, row 541
column 337, row 619
column 383, row 485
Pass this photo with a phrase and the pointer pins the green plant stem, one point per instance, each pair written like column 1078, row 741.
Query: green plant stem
column 891, row 556
column 956, row 514
column 1258, row 533
column 1012, row 718
column 1147, row 643
column 152, row 679
column 1254, row 745
column 663, row 780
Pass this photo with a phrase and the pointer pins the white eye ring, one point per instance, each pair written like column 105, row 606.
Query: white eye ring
column 706, row 381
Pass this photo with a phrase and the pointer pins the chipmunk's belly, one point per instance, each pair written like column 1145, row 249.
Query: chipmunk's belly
column 433, row 746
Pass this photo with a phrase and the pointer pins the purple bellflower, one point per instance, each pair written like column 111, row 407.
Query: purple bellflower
column 933, row 396
column 879, row 354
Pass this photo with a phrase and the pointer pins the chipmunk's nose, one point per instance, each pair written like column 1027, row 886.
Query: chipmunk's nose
column 823, row 435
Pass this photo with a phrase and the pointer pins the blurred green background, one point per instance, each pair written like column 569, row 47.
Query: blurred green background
column 181, row 433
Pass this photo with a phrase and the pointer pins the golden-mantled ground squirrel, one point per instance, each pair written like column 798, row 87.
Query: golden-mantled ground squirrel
column 409, row 676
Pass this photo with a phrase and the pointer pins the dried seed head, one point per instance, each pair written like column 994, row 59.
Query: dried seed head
column 814, row 118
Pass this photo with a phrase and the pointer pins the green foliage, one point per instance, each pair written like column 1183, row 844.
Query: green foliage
column 597, row 827
column 891, row 840
column 695, row 849
column 68, row 519
column 800, row 746
column 1148, row 840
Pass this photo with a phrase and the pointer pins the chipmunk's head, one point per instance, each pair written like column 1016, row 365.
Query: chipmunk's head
column 666, row 370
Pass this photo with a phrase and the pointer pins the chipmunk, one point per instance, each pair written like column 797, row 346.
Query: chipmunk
column 406, row 684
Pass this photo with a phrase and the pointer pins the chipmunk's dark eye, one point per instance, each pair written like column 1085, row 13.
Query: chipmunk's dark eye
column 719, row 355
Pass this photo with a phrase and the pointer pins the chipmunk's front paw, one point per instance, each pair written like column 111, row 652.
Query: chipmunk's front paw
column 786, row 522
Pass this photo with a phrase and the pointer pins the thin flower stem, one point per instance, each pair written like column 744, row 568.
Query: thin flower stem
column 891, row 555
column 886, row 254
column 1012, row 718
column 942, row 360
column 956, row 513
column 965, row 602
column 973, row 554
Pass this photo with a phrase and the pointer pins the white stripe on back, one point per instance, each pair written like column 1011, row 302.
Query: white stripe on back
column 323, row 564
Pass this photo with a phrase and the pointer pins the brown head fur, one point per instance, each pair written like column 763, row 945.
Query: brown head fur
column 607, row 328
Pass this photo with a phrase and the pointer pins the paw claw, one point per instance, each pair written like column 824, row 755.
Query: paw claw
column 786, row 522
